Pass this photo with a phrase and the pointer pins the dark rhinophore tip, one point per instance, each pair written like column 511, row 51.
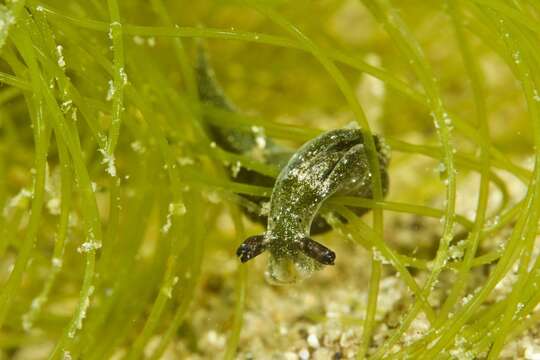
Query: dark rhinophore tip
column 318, row 251
column 328, row 258
column 251, row 247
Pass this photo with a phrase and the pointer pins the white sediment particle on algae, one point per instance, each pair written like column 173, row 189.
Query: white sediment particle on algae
column 74, row 115
column 101, row 136
column 138, row 147
column 53, row 205
column 138, row 40
column 265, row 208
column 20, row 200
column 260, row 138
column 66, row 106
column 110, row 161
column 185, row 161
column 167, row 289
column 110, row 91
column 447, row 120
column 517, row 57
column 235, row 169
column 435, row 120
column 466, row 299
column 536, row 96
column 175, row 209
column 114, row 24
column 56, row 262
column 28, row 318
column 494, row 221
column 456, row 251
column 82, row 313
column 66, row 355
column 90, row 244
column 460, row 352
column 60, row 55
column 440, row 168
column 167, row 226
column 213, row 197
column 123, row 76
column 378, row 256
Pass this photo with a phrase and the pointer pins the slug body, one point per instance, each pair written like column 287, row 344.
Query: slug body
column 239, row 141
column 334, row 163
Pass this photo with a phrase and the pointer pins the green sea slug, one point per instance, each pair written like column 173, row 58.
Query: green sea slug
column 334, row 163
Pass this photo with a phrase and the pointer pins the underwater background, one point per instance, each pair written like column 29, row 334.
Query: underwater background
column 121, row 220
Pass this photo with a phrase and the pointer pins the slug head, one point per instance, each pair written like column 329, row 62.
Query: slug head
column 289, row 262
column 298, row 263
